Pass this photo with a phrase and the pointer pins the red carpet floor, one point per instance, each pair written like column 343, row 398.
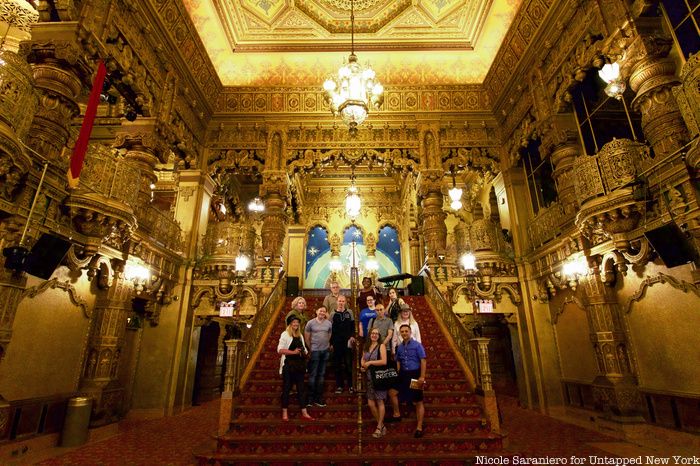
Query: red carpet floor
column 171, row 440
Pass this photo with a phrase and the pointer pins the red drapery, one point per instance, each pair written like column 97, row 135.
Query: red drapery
column 76, row 160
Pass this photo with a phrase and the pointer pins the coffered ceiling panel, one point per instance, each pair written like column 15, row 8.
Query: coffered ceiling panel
column 300, row 42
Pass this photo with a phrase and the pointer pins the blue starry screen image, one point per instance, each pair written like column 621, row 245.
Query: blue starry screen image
column 316, row 246
column 318, row 255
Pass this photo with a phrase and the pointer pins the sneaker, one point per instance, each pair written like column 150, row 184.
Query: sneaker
column 339, row 390
column 320, row 404
column 352, row 390
column 309, row 404
column 418, row 433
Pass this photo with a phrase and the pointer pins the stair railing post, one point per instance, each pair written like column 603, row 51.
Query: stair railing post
column 483, row 367
column 231, row 380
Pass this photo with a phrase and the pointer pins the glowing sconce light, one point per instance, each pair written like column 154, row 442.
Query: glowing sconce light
column 256, row 205
column 468, row 261
column 456, row 198
column 242, row 264
column 573, row 269
column 371, row 264
column 335, row 264
column 138, row 274
column 610, row 73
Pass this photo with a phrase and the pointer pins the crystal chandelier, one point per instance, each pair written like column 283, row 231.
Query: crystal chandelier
column 354, row 89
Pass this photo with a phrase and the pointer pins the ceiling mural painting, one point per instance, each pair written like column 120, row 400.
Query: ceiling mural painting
column 299, row 43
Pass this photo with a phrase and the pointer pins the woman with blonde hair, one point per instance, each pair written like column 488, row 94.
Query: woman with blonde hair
column 375, row 355
column 298, row 310
column 405, row 317
column 293, row 353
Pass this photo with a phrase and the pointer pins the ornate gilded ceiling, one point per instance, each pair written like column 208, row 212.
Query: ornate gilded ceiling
column 300, row 42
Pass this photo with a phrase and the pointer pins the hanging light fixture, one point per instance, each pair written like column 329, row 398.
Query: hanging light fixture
column 355, row 87
column 455, row 194
column 256, row 205
column 610, row 73
column 352, row 200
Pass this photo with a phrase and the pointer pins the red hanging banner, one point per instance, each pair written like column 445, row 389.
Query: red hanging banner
column 76, row 160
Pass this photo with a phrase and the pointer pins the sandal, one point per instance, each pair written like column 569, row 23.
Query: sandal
column 380, row 432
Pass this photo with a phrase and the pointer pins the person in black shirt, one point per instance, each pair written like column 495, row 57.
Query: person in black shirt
column 342, row 344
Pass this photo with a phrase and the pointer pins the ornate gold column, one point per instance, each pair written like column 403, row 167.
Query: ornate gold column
column 144, row 149
column 652, row 77
column 274, row 227
column 615, row 389
column 55, row 56
column 100, row 375
column 11, row 285
column 416, row 255
column 560, row 138
column 274, row 191
column 432, row 215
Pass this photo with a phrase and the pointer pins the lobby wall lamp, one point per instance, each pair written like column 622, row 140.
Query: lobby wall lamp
column 256, row 205
column 471, row 274
column 610, row 73
column 138, row 274
column 574, row 269
column 455, row 194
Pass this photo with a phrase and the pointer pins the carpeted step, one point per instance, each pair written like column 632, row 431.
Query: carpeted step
column 454, row 425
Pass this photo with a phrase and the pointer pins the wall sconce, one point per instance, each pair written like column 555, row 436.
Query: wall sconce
column 471, row 274
column 455, row 193
column 610, row 73
column 335, row 264
column 241, row 268
column 573, row 269
column 256, row 205
column 371, row 264
column 138, row 274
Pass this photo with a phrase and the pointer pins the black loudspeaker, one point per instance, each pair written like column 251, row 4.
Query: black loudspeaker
column 416, row 287
column 292, row 286
column 671, row 244
column 46, row 255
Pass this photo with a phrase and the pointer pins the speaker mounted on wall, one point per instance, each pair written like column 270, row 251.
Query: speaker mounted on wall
column 46, row 255
column 671, row 244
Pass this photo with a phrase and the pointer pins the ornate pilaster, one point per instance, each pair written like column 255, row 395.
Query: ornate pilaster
column 11, row 285
column 416, row 255
column 652, row 77
column 560, row 138
column 18, row 103
column 274, row 227
column 100, row 375
column 56, row 57
column 615, row 389
column 688, row 98
column 432, row 214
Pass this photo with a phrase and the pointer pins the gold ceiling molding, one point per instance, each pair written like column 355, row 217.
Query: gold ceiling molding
column 249, row 41
column 186, row 39
column 276, row 100
column 519, row 36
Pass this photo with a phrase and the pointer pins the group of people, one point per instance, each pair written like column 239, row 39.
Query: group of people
column 389, row 335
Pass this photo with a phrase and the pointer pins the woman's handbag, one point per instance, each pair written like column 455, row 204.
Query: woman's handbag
column 383, row 377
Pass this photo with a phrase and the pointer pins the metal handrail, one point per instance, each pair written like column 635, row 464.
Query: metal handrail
column 455, row 329
column 260, row 327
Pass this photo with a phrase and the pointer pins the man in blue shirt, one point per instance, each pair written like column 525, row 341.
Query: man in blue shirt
column 366, row 315
column 410, row 361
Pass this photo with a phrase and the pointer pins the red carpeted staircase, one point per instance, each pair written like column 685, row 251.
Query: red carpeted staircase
column 455, row 428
